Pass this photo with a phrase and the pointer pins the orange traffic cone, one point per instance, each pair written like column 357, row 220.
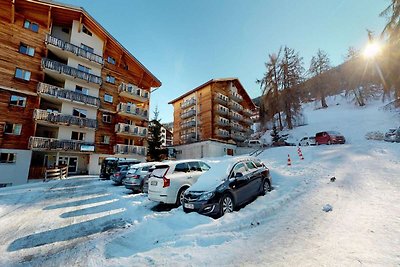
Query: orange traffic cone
column 289, row 162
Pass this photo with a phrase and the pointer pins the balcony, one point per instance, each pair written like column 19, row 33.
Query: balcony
column 247, row 121
column 247, row 112
column 188, row 114
column 236, row 116
column 222, row 122
column 61, row 93
column 237, row 127
column 235, row 96
column 70, row 71
column 235, row 106
column 43, row 143
column 221, row 110
column 222, row 133
column 123, row 128
column 188, row 138
column 133, row 111
column 189, row 124
column 134, row 92
column 80, row 52
column 237, row 136
column 188, row 103
column 128, row 149
column 63, row 119
column 221, row 99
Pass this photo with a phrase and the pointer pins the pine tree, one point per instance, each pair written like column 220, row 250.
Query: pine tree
column 154, row 140
column 319, row 65
column 275, row 135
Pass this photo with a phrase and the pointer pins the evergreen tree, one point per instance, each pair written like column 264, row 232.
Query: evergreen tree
column 154, row 140
column 319, row 65
column 275, row 134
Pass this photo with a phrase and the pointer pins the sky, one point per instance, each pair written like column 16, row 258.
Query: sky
column 185, row 43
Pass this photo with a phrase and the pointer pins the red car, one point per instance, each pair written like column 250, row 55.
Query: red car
column 329, row 137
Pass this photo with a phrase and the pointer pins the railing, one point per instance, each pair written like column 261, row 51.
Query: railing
column 134, row 91
column 56, row 144
column 237, row 127
column 58, row 92
column 238, row 136
column 73, row 49
column 222, row 99
column 222, row 110
column 236, row 96
column 59, row 118
column 128, row 149
column 188, row 114
column 190, row 137
column 222, row 122
column 247, row 121
column 235, row 106
column 58, row 172
column 222, row 133
column 188, row 124
column 236, row 116
column 247, row 112
column 131, row 129
column 133, row 110
column 188, row 103
column 65, row 69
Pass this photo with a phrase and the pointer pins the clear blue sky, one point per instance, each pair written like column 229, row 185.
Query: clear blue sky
column 185, row 43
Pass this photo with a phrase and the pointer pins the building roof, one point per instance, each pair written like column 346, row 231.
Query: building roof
column 51, row 3
column 246, row 96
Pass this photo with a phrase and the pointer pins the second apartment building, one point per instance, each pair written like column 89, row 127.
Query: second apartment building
column 70, row 93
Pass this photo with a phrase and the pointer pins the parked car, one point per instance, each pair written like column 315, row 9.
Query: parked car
column 119, row 175
column 135, row 177
column 254, row 143
column 393, row 135
column 307, row 141
column 227, row 185
column 168, row 182
column 329, row 137
column 109, row 166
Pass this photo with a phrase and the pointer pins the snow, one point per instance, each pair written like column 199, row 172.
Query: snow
column 87, row 222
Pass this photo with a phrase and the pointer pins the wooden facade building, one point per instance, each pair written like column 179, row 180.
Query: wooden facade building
column 70, row 93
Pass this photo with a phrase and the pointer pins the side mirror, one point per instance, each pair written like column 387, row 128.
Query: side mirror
column 238, row 175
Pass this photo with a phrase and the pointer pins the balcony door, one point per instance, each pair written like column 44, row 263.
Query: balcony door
column 72, row 163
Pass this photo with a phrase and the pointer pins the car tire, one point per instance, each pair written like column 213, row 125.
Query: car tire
column 179, row 197
column 227, row 204
column 307, row 144
column 329, row 143
column 265, row 187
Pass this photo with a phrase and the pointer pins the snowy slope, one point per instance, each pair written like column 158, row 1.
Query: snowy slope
column 87, row 222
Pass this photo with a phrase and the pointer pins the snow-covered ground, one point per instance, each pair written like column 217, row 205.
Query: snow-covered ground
column 87, row 222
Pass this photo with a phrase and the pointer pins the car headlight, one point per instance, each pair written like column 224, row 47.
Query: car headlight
column 206, row 196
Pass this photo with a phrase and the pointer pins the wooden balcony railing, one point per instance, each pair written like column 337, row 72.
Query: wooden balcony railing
column 131, row 129
column 62, row 93
column 133, row 110
column 44, row 143
column 134, row 91
column 65, row 69
column 63, row 119
column 128, row 149
column 73, row 49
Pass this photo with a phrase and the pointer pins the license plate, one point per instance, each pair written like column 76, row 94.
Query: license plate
column 153, row 183
column 188, row 205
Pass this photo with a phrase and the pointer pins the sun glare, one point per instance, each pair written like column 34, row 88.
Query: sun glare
column 372, row 50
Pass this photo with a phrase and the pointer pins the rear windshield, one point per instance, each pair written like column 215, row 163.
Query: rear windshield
column 121, row 168
column 334, row 133
column 132, row 170
column 160, row 171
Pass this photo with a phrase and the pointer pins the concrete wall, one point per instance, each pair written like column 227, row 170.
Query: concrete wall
column 78, row 38
column 64, row 133
column 204, row 149
column 57, row 32
column 71, row 85
column 67, row 108
column 15, row 173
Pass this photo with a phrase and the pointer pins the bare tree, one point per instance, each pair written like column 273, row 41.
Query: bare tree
column 320, row 64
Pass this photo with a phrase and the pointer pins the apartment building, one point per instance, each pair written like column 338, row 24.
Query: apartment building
column 70, row 93
column 166, row 137
column 212, row 119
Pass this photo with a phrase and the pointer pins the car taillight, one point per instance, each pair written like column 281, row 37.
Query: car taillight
column 166, row 182
column 116, row 174
column 135, row 176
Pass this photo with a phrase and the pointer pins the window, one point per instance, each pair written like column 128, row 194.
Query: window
column 239, row 168
column 11, row 128
column 85, row 30
column 87, row 48
column 31, row 26
column 108, row 98
column 181, row 167
column 110, row 79
column 83, row 68
column 81, row 90
column 204, row 166
column 27, row 50
column 106, row 139
column 194, row 166
column 257, row 163
column 8, row 157
column 66, row 30
column 22, row 74
column 111, row 60
column 78, row 136
column 81, row 113
column 250, row 165
column 107, row 118
column 18, row 101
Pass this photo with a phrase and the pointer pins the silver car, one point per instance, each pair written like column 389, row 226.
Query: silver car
column 135, row 177
column 393, row 135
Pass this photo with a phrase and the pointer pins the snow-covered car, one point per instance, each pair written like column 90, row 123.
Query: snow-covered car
column 393, row 135
column 227, row 185
column 307, row 141
column 135, row 177
column 254, row 143
column 168, row 182
column 329, row 137
column 119, row 175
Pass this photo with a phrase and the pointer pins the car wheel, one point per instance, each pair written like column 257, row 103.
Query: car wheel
column 307, row 144
column 329, row 143
column 265, row 187
column 180, row 196
column 226, row 205
column 141, row 187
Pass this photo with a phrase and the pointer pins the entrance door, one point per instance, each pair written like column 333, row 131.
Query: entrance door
column 229, row 152
column 72, row 163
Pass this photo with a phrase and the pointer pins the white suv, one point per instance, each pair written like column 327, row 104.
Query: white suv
column 169, row 180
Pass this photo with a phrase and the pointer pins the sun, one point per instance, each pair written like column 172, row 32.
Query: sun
column 372, row 50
